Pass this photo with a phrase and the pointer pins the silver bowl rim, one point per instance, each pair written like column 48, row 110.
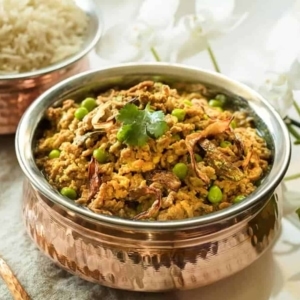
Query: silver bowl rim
column 69, row 60
column 39, row 182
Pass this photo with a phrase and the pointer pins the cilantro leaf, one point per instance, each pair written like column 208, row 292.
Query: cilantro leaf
column 128, row 114
column 156, row 126
column 155, row 116
column 157, row 129
column 137, row 136
column 139, row 125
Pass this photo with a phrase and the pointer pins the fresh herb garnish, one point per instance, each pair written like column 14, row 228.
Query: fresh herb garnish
column 139, row 125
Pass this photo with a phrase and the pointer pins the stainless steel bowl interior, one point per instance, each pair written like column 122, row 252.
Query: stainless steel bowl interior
column 267, row 119
column 92, row 36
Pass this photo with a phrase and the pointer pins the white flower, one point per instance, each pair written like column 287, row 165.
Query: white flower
column 291, row 200
column 278, row 91
column 281, row 89
column 283, row 43
column 131, row 41
column 296, row 9
column 212, row 19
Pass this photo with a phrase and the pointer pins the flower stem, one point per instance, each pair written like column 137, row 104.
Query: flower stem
column 213, row 58
column 296, row 107
column 293, row 132
column 155, row 54
column 288, row 120
column 292, row 177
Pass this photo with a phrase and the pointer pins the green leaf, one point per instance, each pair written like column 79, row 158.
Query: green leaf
column 298, row 212
column 128, row 114
column 139, row 125
column 137, row 136
column 156, row 126
column 156, row 116
column 157, row 129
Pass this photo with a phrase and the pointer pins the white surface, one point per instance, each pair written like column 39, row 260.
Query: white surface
column 275, row 276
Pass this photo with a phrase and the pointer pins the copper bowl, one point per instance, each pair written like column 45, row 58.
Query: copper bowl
column 18, row 91
column 152, row 256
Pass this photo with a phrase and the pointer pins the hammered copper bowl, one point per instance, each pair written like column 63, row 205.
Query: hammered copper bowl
column 18, row 91
column 152, row 256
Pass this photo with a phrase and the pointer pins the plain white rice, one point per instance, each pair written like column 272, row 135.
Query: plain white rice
column 37, row 33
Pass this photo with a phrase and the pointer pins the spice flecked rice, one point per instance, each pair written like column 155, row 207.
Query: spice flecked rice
column 152, row 152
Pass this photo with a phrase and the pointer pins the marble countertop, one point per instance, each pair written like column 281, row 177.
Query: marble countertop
column 275, row 276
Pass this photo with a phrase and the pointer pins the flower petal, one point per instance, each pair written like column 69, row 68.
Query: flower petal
column 187, row 39
column 114, row 45
column 190, row 36
column 140, row 34
column 277, row 90
column 188, row 49
column 201, row 24
column 231, row 23
column 285, row 47
column 204, row 25
column 162, row 45
column 296, row 9
column 157, row 13
column 221, row 9
column 291, row 200
column 294, row 75
column 122, row 11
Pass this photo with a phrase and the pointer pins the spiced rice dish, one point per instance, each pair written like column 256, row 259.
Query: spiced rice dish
column 153, row 152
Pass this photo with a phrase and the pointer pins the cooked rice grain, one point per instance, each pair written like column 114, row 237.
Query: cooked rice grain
column 37, row 33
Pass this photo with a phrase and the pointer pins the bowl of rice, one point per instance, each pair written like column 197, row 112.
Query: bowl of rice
column 41, row 43
column 152, row 177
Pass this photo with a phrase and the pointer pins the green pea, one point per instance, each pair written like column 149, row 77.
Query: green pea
column 89, row 103
column 220, row 109
column 187, row 102
column 54, row 153
column 179, row 114
column 221, row 98
column 198, row 157
column 100, row 155
column 233, row 124
column 80, row 113
column 123, row 133
column 225, row 144
column 158, row 79
column 238, row 198
column 215, row 103
column 176, row 137
column 69, row 192
column 118, row 98
column 180, row 170
column 215, row 194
